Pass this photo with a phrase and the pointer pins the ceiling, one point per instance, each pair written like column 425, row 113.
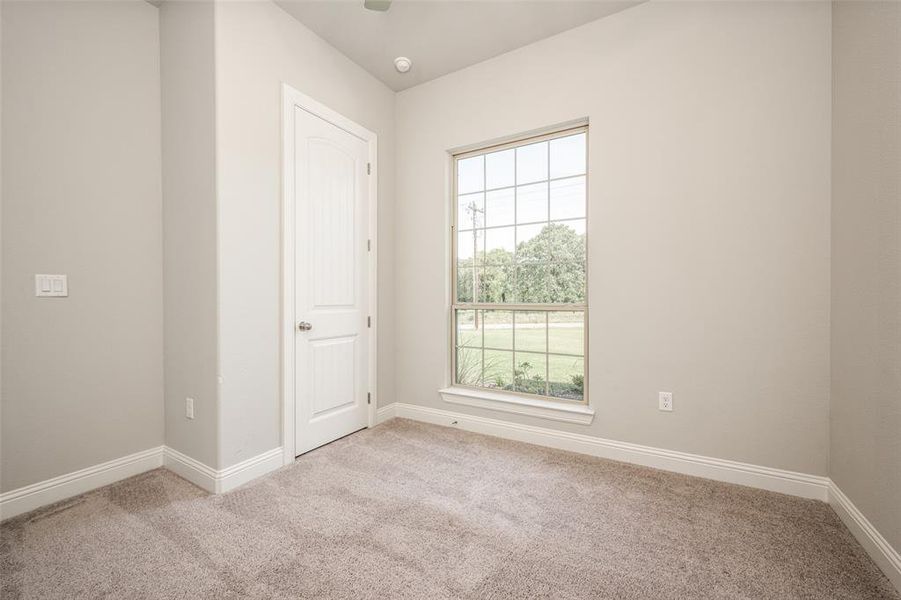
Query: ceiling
column 440, row 36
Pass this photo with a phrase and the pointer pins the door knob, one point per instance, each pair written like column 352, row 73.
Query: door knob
column 304, row 326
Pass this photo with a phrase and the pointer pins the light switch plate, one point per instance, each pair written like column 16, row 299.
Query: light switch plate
column 51, row 286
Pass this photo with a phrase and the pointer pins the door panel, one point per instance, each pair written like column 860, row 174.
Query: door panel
column 331, row 361
column 332, row 198
column 331, row 262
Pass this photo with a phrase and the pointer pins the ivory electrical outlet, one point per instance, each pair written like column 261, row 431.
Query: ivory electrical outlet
column 189, row 408
column 666, row 401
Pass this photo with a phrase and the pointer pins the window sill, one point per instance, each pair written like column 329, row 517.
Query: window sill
column 520, row 405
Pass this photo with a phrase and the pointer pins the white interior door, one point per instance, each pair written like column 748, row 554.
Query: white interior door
column 330, row 281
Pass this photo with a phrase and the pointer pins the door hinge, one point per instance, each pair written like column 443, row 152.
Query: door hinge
column 369, row 168
column 368, row 321
column 368, row 397
column 369, row 245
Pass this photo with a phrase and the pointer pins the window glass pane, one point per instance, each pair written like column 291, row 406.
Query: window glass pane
column 531, row 283
column 567, row 377
column 531, row 163
column 498, row 372
column 532, row 243
column 471, row 175
column 499, row 168
column 468, row 331
column 499, row 244
column 464, row 281
column 568, row 198
column 530, row 375
column 566, row 283
column 531, row 331
column 499, row 207
column 494, row 284
column 568, row 156
column 469, row 366
column 498, row 325
column 471, row 243
column 566, row 240
column 566, row 332
column 470, row 211
column 521, row 238
column 531, row 203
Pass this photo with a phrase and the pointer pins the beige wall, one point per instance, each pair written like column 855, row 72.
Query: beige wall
column 865, row 434
column 259, row 46
column 189, row 226
column 710, row 227
column 709, row 210
column 83, row 375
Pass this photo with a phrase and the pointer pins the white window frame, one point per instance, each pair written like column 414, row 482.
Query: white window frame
column 541, row 405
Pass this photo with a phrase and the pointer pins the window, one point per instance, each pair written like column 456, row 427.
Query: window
column 519, row 267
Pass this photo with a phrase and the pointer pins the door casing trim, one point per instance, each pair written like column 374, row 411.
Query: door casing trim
column 292, row 98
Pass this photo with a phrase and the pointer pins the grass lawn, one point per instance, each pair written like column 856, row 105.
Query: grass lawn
column 531, row 343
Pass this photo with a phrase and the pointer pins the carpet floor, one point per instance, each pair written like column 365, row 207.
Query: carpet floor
column 407, row 510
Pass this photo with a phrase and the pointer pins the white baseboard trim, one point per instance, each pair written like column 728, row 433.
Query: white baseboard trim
column 766, row 478
column 222, row 480
column 188, row 468
column 248, row 470
column 385, row 413
column 887, row 558
column 28, row 498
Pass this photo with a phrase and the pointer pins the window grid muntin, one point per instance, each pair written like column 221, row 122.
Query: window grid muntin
column 545, row 222
column 510, row 187
column 518, row 307
column 513, row 352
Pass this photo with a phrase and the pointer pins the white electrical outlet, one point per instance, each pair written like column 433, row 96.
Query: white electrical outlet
column 189, row 408
column 666, row 401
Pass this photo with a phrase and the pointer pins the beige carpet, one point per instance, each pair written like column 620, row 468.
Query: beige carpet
column 408, row 510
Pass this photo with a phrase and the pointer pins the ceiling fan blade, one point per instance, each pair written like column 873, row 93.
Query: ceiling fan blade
column 379, row 5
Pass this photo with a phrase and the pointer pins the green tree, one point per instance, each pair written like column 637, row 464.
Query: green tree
column 496, row 277
column 464, row 280
column 547, row 268
column 551, row 266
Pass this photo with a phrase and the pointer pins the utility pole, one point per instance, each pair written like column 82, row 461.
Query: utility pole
column 475, row 211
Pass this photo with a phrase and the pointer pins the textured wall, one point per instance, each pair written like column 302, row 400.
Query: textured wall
column 865, row 435
column 83, row 375
column 259, row 46
column 189, row 225
column 709, row 219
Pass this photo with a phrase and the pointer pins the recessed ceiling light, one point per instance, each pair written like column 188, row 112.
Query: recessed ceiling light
column 403, row 64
